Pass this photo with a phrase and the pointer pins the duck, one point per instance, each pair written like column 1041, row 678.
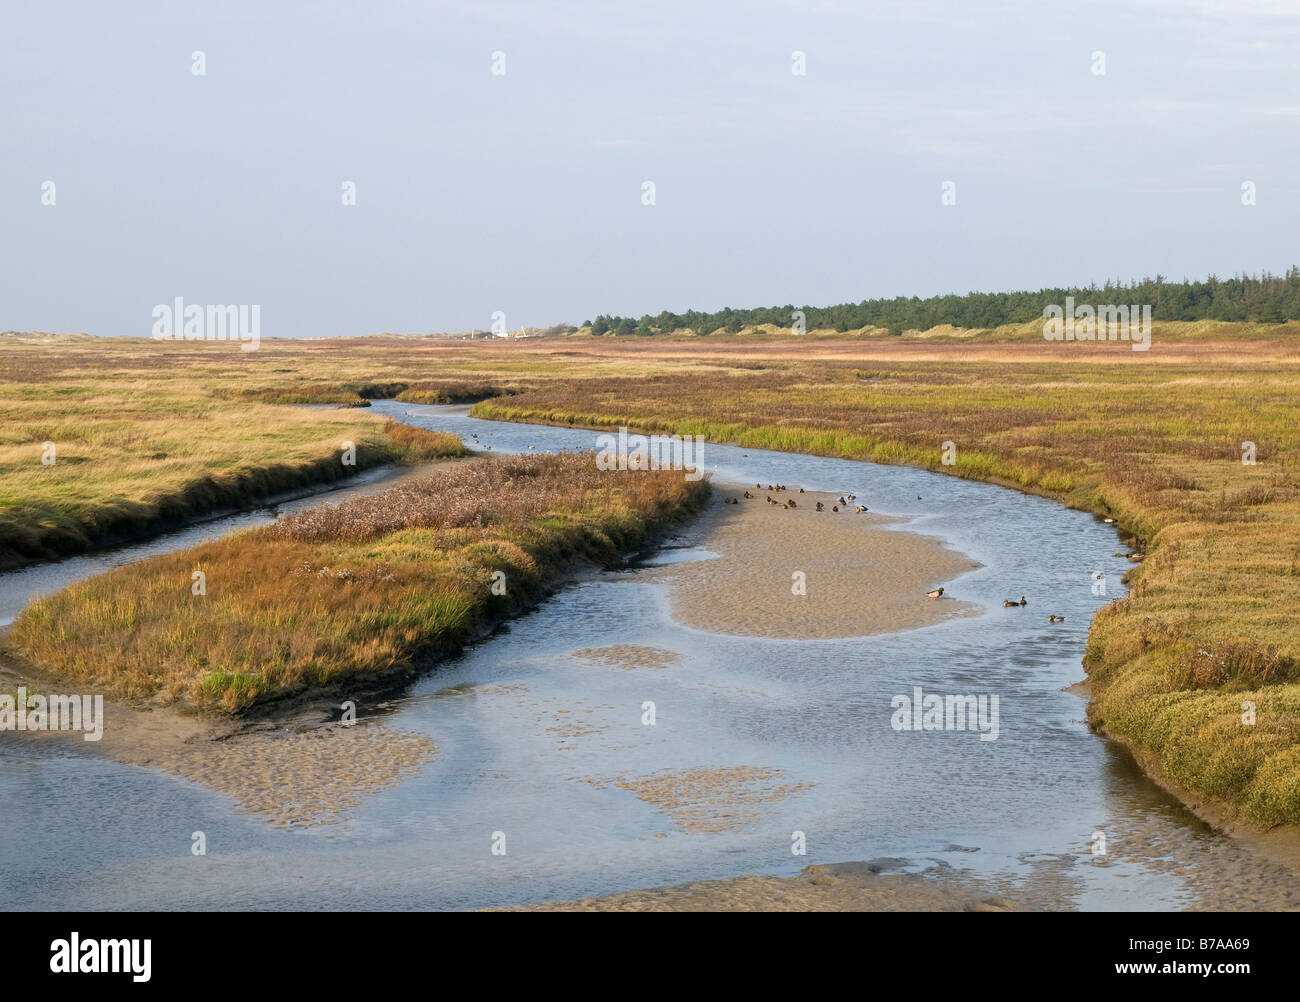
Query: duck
column 852, row 497
column 843, row 502
column 800, row 490
column 1056, row 619
column 835, row 507
column 769, row 499
column 918, row 497
column 820, row 506
column 748, row 495
column 791, row 504
column 860, row 509
column 1108, row 520
column 1008, row 603
column 934, row 593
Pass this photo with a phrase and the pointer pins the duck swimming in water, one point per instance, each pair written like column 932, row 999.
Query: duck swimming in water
column 1056, row 619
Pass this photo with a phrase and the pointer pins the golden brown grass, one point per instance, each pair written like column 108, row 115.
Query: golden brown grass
column 137, row 448
column 346, row 595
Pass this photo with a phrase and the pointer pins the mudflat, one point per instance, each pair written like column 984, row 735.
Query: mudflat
column 858, row 577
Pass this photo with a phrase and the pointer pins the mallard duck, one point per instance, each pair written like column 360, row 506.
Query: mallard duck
column 860, row 509
column 791, row 503
column 1012, row 602
column 843, row 502
column 852, row 497
column 835, row 507
column 820, row 506
column 1056, row 619
column 748, row 495
column 800, row 490
column 934, row 593
column 769, row 499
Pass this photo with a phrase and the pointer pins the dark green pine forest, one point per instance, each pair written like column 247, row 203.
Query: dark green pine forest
column 1264, row 299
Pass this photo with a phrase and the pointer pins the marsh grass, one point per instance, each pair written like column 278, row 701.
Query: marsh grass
column 131, row 458
column 351, row 593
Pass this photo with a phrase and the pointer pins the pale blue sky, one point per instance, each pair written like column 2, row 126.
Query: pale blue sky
column 522, row 193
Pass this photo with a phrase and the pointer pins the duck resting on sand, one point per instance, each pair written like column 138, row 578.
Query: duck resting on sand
column 860, row 509
column 934, row 593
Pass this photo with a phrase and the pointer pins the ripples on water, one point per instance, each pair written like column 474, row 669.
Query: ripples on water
column 534, row 741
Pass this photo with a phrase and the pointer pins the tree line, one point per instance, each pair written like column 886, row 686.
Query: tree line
column 1246, row 298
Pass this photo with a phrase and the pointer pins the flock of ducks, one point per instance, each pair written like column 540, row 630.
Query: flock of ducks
column 844, row 501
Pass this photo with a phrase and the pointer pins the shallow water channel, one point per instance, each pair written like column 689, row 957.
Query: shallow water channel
column 755, row 739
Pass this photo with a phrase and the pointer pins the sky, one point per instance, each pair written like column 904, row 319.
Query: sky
column 523, row 193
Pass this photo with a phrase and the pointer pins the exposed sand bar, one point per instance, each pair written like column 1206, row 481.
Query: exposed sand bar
column 859, row 578
column 293, row 771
